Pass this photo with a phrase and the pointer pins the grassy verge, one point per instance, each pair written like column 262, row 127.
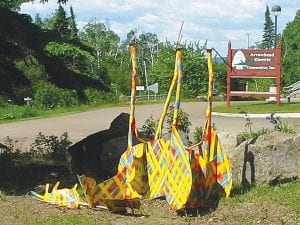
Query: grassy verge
column 16, row 113
column 287, row 195
column 259, row 107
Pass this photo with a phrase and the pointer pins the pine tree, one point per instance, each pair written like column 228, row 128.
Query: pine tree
column 269, row 33
column 61, row 23
column 38, row 20
column 73, row 27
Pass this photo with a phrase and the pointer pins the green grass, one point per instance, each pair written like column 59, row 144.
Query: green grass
column 285, row 195
column 68, row 219
column 259, row 107
column 16, row 113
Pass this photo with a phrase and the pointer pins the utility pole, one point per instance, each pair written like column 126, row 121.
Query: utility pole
column 146, row 78
column 248, row 34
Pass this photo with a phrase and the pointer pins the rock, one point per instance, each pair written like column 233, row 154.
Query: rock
column 271, row 159
column 98, row 154
column 228, row 141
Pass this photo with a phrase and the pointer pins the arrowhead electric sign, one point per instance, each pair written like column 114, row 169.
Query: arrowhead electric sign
column 254, row 60
column 253, row 63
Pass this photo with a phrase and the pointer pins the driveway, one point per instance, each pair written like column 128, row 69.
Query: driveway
column 79, row 125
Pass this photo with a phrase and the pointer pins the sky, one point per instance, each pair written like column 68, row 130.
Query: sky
column 216, row 21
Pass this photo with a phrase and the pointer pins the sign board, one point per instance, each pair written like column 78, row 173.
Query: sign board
column 140, row 88
column 254, row 60
column 253, row 63
column 153, row 87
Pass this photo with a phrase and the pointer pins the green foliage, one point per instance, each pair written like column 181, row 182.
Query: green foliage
column 183, row 120
column 149, row 127
column 268, row 35
column 48, row 96
column 60, row 23
column 285, row 194
column 68, row 220
column 259, row 107
column 195, row 78
column 8, row 116
column 162, row 71
column 2, row 195
column 198, row 134
column 38, row 20
column 73, row 26
column 291, row 42
column 53, row 146
column 95, row 97
column 253, row 134
column 73, row 56
column 3, row 102
column 286, row 128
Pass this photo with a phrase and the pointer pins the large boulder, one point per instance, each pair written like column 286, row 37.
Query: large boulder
column 228, row 141
column 271, row 159
column 98, row 154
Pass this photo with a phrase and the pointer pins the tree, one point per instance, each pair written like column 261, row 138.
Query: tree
column 38, row 20
column 291, row 59
column 268, row 35
column 73, row 27
column 104, row 41
column 60, row 23
column 21, row 39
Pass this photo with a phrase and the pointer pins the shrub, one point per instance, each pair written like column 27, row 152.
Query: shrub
column 68, row 98
column 149, row 128
column 28, row 111
column 94, row 96
column 3, row 102
column 55, row 147
column 8, row 116
column 49, row 96
column 183, row 120
column 197, row 135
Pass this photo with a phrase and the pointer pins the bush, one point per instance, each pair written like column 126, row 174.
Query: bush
column 28, row 111
column 48, row 96
column 68, row 98
column 3, row 102
column 197, row 135
column 94, row 96
column 55, row 147
column 149, row 128
column 183, row 120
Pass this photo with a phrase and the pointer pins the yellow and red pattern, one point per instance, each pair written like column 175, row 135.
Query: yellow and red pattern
column 61, row 197
column 161, row 167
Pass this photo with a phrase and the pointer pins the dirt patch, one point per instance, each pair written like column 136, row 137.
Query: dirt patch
column 26, row 210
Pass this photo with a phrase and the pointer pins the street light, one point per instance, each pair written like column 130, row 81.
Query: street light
column 248, row 34
column 276, row 9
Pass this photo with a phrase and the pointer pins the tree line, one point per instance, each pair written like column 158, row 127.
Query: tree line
column 41, row 57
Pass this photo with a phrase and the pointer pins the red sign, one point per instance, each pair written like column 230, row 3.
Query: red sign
column 254, row 60
column 253, row 63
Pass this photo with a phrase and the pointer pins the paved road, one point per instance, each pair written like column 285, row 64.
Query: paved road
column 80, row 125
